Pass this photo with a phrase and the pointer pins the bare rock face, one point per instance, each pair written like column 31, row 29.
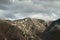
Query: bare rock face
column 29, row 29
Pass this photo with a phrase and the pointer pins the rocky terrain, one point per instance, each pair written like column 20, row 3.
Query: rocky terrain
column 29, row 29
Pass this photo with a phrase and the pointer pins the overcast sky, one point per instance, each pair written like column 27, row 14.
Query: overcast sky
column 41, row 9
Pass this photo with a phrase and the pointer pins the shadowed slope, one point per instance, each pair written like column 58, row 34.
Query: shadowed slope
column 9, row 32
column 52, row 32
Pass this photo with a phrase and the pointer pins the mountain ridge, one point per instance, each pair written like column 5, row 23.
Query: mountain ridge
column 32, row 29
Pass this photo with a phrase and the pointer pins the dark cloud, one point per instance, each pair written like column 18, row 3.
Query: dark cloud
column 4, row 1
column 4, row 4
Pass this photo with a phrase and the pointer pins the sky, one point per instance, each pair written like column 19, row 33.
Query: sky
column 41, row 9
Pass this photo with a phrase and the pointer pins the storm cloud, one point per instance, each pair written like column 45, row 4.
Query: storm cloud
column 41, row 9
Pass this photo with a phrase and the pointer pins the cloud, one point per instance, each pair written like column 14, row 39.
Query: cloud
column 5, row 1
column 15, row 9
column 44, row 16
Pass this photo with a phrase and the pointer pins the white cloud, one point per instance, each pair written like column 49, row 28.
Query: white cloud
column 18, row 16
column 43, row 16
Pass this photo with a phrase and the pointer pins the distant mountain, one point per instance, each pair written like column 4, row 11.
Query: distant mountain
column 29, row 29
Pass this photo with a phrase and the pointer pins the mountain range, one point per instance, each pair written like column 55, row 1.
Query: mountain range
column 29, row 29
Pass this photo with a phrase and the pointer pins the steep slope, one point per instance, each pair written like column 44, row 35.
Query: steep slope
column 32, row 28
column 10, row 32
column 52, row 32
column 29, row 29
column 36, row 29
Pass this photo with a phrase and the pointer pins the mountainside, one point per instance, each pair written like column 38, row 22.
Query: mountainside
column 29, row 29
